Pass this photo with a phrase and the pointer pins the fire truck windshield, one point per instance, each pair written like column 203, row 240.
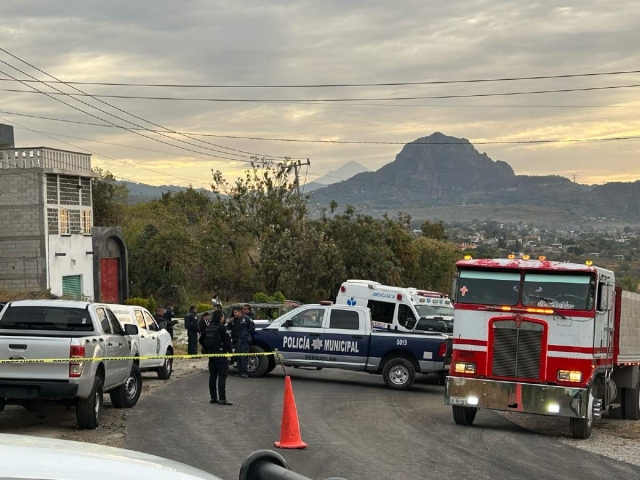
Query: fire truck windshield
column 572, row 292
column 488, row 287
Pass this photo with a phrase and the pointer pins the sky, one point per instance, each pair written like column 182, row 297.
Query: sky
column 326, row 42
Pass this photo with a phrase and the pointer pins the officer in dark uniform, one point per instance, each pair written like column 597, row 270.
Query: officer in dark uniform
column 216, row 340
column 202, row 326
column 242, row 332
column 191, row 324
column 168, row 316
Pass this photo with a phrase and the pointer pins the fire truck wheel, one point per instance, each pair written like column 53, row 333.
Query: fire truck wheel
column 464, row 415
column 632, row 402
column 581, row 427
column 399, row 374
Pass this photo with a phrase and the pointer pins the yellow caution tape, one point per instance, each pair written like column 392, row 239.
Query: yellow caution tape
column 156, row 357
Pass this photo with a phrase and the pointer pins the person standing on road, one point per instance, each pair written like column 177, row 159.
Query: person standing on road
column 242, row 331
column 216, row 340
column 191, row 325
column 202, row 327
column 168, row 316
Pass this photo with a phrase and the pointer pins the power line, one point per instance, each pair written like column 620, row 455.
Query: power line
column 52, row 137
column 321, row 101
column 128, row 113
column 348, row 85
column 48, row 94
column 343, row 142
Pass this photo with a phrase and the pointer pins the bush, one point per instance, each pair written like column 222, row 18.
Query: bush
column 203, row 307
column 139, row 302
column 152, row 304
column 277, row 297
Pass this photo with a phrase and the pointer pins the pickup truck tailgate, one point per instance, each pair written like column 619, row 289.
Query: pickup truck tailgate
column 17, row 347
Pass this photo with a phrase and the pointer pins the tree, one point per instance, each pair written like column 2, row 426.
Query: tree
column 433, row 230
column 434, row 264
column 109, row 199
column 629, row 283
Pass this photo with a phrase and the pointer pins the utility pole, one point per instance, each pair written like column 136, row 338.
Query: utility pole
column 574, row 177
column 297, row 165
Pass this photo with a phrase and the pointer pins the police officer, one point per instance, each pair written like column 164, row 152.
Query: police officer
column 202, row 327
column 246, row 310
column 216, row 340
column 191, row 324
column 242, row 331
column 168, row 316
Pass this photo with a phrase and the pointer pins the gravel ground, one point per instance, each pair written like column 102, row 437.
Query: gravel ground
column 58, row 422
column 617, row 439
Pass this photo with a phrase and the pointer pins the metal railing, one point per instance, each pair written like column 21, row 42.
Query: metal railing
column 44, row 158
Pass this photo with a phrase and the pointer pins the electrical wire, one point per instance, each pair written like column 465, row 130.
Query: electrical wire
column 321, row 101
column 348, row 85
column 343, row 142
column 243, row 153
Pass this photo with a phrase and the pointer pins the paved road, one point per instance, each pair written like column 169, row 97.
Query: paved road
column 356, row 429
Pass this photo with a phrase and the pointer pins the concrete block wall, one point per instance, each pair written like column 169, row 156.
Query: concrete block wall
column 630, row 324
column 22, row 238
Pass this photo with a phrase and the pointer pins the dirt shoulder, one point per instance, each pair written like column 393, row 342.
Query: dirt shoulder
column 60, row 422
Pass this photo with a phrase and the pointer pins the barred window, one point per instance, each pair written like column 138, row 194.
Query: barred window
column 86, row 222
column 69, row 190
column 52, row 189
column 86, row 191
column 52, row 218
column 74, row 221
column 64, row 222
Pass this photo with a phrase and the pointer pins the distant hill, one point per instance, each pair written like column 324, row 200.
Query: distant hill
column 141, row 192
column 451, row 172
column 345, row 172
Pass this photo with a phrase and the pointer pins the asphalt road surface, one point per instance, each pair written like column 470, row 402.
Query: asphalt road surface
column 356, row 429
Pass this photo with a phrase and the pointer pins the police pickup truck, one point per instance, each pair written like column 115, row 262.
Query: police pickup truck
column 341, row 336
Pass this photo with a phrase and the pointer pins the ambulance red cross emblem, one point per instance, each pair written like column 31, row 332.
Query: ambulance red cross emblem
column 464, row 291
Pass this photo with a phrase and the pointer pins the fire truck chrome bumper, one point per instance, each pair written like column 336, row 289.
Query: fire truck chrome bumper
column 517, row 397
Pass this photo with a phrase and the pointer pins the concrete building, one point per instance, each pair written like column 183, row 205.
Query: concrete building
column 46, row 227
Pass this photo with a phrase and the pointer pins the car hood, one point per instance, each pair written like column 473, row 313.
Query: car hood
column 51, row 459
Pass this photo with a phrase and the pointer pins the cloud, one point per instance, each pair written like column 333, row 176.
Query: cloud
column 298, row 42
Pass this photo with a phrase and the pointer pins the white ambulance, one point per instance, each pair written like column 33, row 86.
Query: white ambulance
column 399, row 309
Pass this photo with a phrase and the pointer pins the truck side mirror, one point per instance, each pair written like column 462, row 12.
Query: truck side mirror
column 130, row 329
column 454, row 288
column 288, row 323
column 411, row 323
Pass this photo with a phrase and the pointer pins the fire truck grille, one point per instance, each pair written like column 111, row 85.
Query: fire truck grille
column 516, row 351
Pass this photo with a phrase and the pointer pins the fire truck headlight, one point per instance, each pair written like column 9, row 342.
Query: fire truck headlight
column 465, row 367
column 570, row 376
column 553, row 408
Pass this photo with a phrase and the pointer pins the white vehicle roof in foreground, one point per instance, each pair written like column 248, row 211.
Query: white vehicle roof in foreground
column 45, row 458
column 50, row 303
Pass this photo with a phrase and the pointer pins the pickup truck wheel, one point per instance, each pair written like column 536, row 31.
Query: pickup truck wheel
column 165, row 371
column 632, row 402
column 399, row 374
column 257, row 366
column 464, row 415
column 127, row 394
column 89, row 410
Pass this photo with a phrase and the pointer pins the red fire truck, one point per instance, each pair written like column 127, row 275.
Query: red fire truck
column 543, row 337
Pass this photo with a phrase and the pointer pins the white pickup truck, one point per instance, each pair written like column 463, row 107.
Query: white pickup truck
column 57, row 329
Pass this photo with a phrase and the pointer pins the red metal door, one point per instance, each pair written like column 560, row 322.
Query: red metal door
column 109, row 279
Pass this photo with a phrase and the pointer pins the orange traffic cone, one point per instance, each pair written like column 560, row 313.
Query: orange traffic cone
column 290, row 427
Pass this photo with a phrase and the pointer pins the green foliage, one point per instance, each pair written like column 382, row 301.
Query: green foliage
column 203, row 307
column 629, row 283
column 258, row 238
column 277, row 297
column 109, row 200
column 139, row 302
column 434, row 230
column 152, row 304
